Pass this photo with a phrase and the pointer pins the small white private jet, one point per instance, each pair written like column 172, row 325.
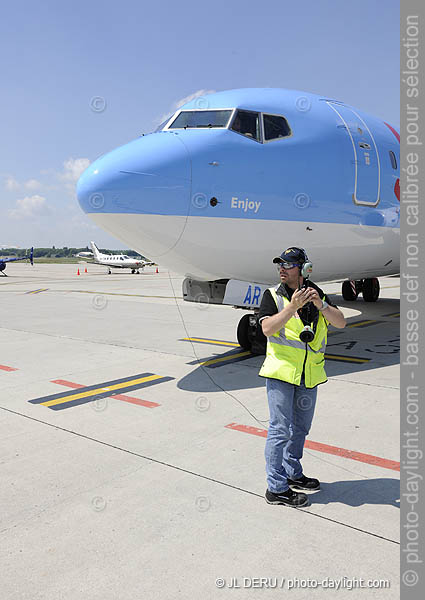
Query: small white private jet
column 119, row 261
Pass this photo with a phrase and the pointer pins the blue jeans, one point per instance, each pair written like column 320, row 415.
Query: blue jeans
column 291, row 413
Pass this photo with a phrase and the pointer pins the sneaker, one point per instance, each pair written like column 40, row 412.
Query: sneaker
column 288, row 498
column 305, row 483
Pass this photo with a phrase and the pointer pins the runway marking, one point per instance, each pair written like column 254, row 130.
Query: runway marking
column 227, row 359
column 396, row 314
column 99, row 391
column 122, row 397
column 37, row 291
column 364, row 323
column 246, row 354
column 6, row 368
column 120, row 294
column 352, row 359
column 207, row 341
column 319, row 447
column 240, row 356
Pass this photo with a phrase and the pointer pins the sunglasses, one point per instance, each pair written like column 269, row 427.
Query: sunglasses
column 286, row 265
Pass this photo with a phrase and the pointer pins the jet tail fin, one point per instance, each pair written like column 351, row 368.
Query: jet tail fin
column 95, row 249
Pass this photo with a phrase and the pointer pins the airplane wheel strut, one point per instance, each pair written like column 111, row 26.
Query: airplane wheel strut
column 371, row 289
column 350, row 290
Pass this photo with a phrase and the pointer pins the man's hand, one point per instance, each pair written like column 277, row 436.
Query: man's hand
column 315, row 298
column 332, row 314
column 301, row 297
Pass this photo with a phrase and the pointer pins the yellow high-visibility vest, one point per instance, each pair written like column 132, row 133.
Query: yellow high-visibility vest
column 287, row 355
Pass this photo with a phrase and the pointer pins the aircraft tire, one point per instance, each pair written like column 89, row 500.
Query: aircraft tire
column 242, row 333
column 371, row 289
column 349, row 291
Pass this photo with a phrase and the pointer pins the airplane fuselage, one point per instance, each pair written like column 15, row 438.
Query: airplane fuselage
column 214, row 203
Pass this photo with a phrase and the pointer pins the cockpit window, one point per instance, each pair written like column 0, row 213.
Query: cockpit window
column 201, row 118
column 163, row 124
column 247, row 123
column 275, row 127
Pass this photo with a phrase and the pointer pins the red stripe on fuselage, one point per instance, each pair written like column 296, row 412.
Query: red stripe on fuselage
column 395, row 132
column 397, row 189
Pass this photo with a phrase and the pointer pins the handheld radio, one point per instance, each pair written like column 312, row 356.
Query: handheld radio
column 306, row 269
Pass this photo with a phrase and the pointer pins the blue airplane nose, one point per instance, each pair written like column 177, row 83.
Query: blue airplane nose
column 141, row 192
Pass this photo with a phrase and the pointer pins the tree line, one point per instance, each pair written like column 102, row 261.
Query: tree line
column 64, row 252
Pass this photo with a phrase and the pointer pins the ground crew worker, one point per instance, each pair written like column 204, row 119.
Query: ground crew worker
column 293, row 368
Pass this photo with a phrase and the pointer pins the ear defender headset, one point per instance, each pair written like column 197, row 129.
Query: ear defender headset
column 306, row 267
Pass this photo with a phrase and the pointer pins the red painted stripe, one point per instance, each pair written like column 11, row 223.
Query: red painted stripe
column 122, row 397
column 396, row 133
column 360, row 456
column 397, row 189
column 6, row 368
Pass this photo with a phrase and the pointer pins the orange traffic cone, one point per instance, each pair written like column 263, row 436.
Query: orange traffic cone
column 157, row 270
column 78, row 271
column 85, row 269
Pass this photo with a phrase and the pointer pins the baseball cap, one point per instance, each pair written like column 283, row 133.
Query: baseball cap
column 291, row 255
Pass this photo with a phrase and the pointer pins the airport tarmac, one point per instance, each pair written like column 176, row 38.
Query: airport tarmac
column 132, row 447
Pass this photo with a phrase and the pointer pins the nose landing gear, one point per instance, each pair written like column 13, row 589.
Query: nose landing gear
column 368, row 287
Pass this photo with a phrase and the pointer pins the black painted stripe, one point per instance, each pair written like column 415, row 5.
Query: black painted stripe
column 100, row 395
column 88, row 388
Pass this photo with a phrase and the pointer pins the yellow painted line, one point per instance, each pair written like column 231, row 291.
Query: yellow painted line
column 233, row 344
column 347, row 358
column 120, row 294
column 361, row 323
column 117, row 386
column 38, row 291
column 226, row 358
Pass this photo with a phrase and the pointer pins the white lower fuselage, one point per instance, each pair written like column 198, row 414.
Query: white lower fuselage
column 337, row 251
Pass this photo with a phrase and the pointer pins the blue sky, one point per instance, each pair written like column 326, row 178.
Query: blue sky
column 143, row 59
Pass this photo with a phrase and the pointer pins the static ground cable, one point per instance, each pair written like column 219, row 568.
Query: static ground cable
column 181, row 469
column 204, row 369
